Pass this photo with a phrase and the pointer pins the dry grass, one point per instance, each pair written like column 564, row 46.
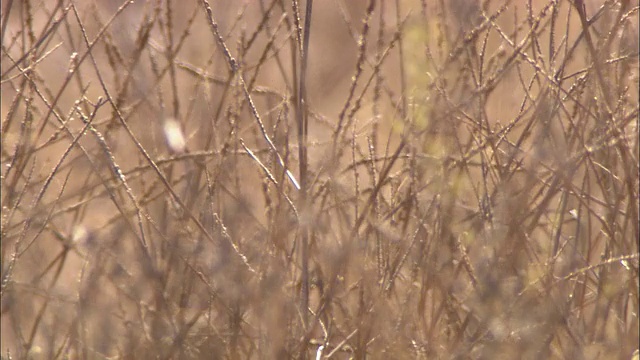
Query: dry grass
column 390, row 180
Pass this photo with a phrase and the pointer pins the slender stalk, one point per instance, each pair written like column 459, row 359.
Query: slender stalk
column 302, row 120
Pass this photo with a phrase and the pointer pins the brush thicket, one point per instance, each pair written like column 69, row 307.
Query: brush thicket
column 392, row 179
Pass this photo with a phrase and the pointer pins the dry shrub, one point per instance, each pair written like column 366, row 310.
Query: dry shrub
column 452, row 179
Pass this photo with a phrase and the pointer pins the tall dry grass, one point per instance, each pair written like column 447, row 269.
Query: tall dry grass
column 357, row 179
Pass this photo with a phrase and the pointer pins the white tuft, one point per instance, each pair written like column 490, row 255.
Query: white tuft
column 174, row 136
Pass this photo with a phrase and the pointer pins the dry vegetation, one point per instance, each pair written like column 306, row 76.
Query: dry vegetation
column 390, row 180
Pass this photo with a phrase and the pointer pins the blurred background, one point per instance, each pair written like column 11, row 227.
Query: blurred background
column 473, row 180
